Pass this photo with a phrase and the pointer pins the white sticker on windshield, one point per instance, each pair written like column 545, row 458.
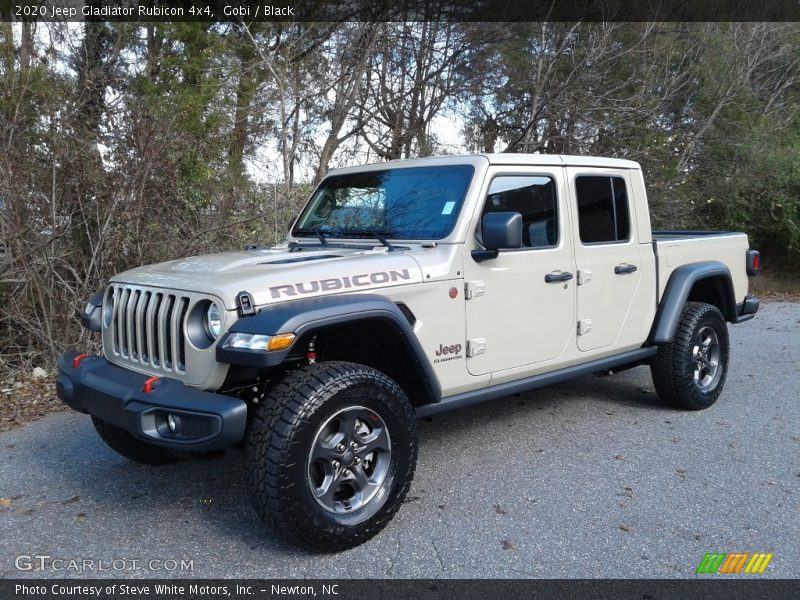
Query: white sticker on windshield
column 448, row 208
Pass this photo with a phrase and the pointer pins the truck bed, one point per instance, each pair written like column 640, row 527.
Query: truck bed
column 676, row 248
column 675, row 235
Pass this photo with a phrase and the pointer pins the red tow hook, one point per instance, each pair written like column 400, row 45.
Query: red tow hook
column 148, row 384
column 76, row 362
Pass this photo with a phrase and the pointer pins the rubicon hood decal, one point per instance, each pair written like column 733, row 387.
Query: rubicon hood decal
column 339, row 283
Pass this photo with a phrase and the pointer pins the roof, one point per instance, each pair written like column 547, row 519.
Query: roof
column 511, row 159
column 567, row 160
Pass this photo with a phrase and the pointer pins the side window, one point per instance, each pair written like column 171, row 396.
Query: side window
column 603, row 214
column 534, row 197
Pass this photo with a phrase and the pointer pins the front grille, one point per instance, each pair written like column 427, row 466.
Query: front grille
column 147, row 327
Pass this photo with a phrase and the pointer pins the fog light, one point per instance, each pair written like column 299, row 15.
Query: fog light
column 171, row 423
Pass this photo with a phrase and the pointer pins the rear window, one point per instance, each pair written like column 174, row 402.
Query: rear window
column 603, row 213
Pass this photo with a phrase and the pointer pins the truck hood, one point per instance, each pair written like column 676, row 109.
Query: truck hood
column 279, row 274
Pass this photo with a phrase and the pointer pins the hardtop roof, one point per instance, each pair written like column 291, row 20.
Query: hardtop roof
column 510, row 159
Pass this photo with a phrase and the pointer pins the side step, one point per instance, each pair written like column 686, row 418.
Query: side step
column 537, row 381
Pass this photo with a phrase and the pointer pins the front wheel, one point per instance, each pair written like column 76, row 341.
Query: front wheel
column 331, row 454
column 690, row 371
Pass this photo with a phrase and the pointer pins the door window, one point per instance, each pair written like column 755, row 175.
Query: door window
column 603, row 214
column 534, row 197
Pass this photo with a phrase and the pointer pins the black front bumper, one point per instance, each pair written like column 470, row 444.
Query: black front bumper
column 203, row 421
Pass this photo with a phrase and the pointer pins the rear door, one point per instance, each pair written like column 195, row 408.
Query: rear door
column 607, row 256
column 522, row 305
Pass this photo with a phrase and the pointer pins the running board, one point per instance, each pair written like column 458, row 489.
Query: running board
column 537, row 381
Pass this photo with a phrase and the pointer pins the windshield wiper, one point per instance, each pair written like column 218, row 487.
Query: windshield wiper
column 378, row 234
column 317, row 232
column 374, row 233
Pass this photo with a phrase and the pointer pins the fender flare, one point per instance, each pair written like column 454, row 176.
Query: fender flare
column 302, row 317
column 676, row 294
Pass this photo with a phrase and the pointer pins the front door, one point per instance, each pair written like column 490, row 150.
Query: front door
column 520, row 306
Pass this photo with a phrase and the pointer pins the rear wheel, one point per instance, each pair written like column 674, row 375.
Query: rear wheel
column 331, row 454
column 128, row 446
column 690, row 372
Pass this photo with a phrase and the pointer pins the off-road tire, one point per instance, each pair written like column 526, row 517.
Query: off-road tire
column 287, row 425
column 128, row 446
column 673, row 368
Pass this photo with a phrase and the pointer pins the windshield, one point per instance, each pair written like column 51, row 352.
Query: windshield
column 420, row 203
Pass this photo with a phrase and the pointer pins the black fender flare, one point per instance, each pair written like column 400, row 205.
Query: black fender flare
column 302, row 317
column 677, row 292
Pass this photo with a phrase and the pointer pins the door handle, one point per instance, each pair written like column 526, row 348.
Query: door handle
column 622, row 269
column 557, row 277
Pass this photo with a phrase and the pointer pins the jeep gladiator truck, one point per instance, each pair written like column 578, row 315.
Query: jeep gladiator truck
column 403, row 290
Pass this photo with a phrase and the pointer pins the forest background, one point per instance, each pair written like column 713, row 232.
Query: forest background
column 123, row 144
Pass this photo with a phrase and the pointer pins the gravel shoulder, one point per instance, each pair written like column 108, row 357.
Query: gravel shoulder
column 591, row 479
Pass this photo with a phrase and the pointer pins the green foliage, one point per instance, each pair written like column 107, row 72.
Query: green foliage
column 127, row 143
column 755, row 188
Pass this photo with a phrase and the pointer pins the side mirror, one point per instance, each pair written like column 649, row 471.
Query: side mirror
column 500, row 231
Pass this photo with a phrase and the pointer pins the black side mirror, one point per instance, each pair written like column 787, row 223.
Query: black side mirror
column 500, row 231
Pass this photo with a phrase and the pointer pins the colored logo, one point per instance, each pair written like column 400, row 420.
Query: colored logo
column 735, row 562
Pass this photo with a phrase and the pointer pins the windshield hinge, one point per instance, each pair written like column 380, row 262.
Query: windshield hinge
column 244, row 304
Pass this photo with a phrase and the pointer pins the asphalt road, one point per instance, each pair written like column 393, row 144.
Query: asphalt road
column 591, row 479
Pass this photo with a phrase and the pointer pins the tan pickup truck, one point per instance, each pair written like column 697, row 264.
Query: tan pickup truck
column 403, row 290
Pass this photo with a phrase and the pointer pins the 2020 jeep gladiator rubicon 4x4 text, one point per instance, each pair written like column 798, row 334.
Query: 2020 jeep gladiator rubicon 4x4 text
column 403, row 290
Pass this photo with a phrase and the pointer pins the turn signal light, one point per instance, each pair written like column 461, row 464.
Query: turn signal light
column 280, row 342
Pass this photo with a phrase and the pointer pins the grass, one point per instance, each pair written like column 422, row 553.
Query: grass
column 776, row 287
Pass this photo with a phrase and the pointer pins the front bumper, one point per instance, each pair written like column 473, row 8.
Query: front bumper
column 204, row 421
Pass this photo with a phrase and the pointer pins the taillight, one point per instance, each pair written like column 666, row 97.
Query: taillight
column 753, row 262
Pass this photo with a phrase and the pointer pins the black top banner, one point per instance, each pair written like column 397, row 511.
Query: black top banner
column 398, row 10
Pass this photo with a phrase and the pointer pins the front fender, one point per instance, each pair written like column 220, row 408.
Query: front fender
column 306, row 316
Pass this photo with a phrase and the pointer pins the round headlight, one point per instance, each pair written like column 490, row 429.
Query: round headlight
column 213, row 321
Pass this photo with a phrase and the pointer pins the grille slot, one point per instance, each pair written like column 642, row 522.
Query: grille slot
column 192, row 427
column 407, row 313
column 148, row 328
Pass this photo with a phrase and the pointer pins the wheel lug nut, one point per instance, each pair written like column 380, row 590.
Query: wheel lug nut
column 335, row 464
column 353, row 445
column 358, row 460
column 346, row 472
column 340, row 447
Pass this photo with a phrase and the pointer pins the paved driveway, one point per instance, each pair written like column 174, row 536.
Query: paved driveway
column 594, row 478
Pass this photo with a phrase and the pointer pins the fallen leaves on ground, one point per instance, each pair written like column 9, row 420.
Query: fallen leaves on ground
column 26, row 400
column 509, row 545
